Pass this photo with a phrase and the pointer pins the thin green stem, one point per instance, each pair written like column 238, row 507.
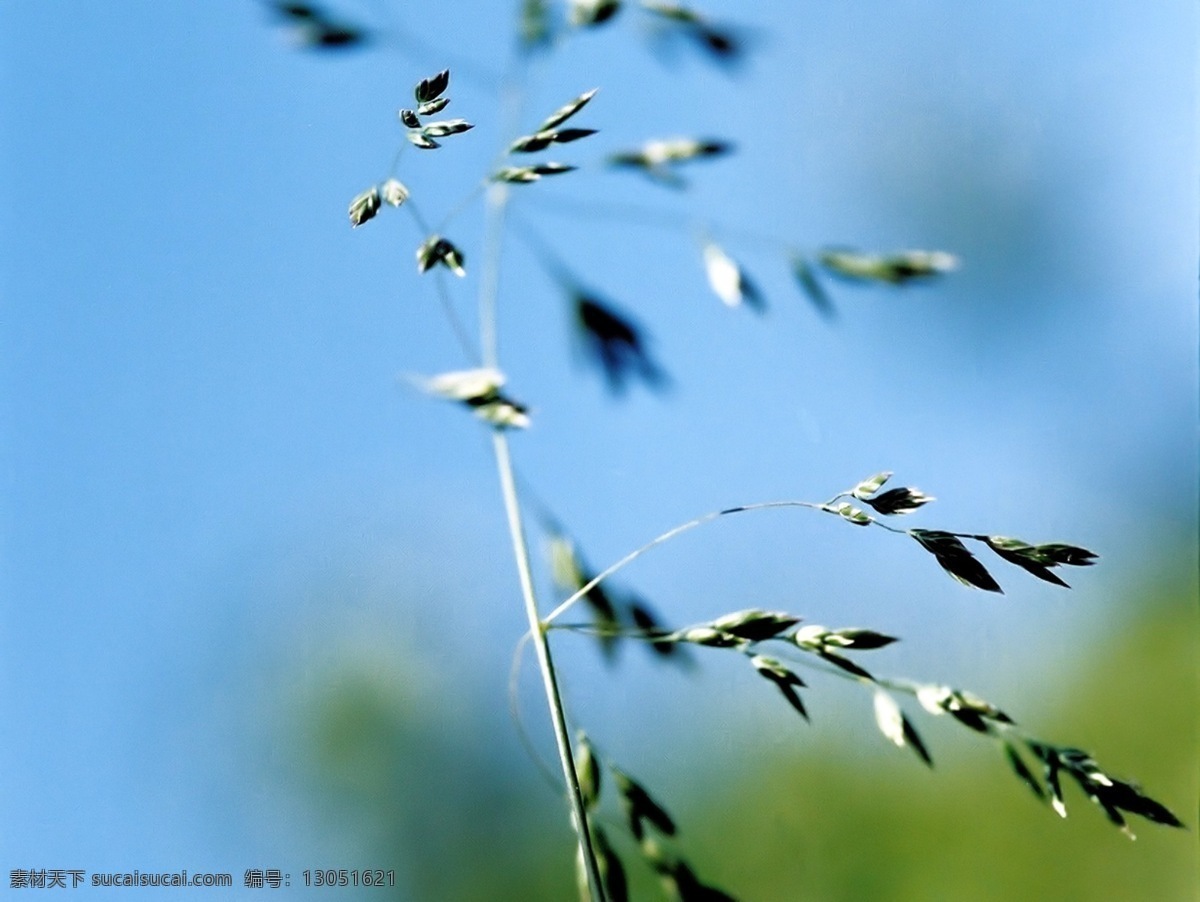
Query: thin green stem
column 496, row 203
column 462, row 205
column 550, row 260
column 448, row 309
column 538, row 629
column 514, row 709
column 496, row 200
column 414, row 210
column 489, row 281
column 456, row 324
column 666, row 537
column 395, row 168
column 656, row 218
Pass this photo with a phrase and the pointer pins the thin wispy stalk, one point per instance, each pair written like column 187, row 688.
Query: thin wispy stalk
column 537, row 631
column 497, row 198
column 662, row 539
column 549, row 777
column 489, row 282
column 450, row 312
column 944, row 545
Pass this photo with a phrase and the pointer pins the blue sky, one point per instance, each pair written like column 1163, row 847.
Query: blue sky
column 215, row 480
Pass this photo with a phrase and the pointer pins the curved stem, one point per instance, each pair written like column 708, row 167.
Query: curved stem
column 514, row 710
column 667, row 536
column 538, row 629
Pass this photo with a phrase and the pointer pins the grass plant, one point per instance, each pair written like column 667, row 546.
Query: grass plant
column 780, row 646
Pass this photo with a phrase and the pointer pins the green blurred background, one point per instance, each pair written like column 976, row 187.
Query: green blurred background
column 781, row 810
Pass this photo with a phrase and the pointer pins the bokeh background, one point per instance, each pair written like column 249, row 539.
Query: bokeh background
column 258, row 609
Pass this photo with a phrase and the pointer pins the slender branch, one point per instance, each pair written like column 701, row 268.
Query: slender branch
column 462, row 205
column 414, row 210
column 706, row 518
column 395, row 167
column 448, row 309
column 489, row 281
column 550, row 260
column 667, row 536
column 655, row 217
column 514, row 710
column 496, row 203
column 537, row 630
column 496, row 199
